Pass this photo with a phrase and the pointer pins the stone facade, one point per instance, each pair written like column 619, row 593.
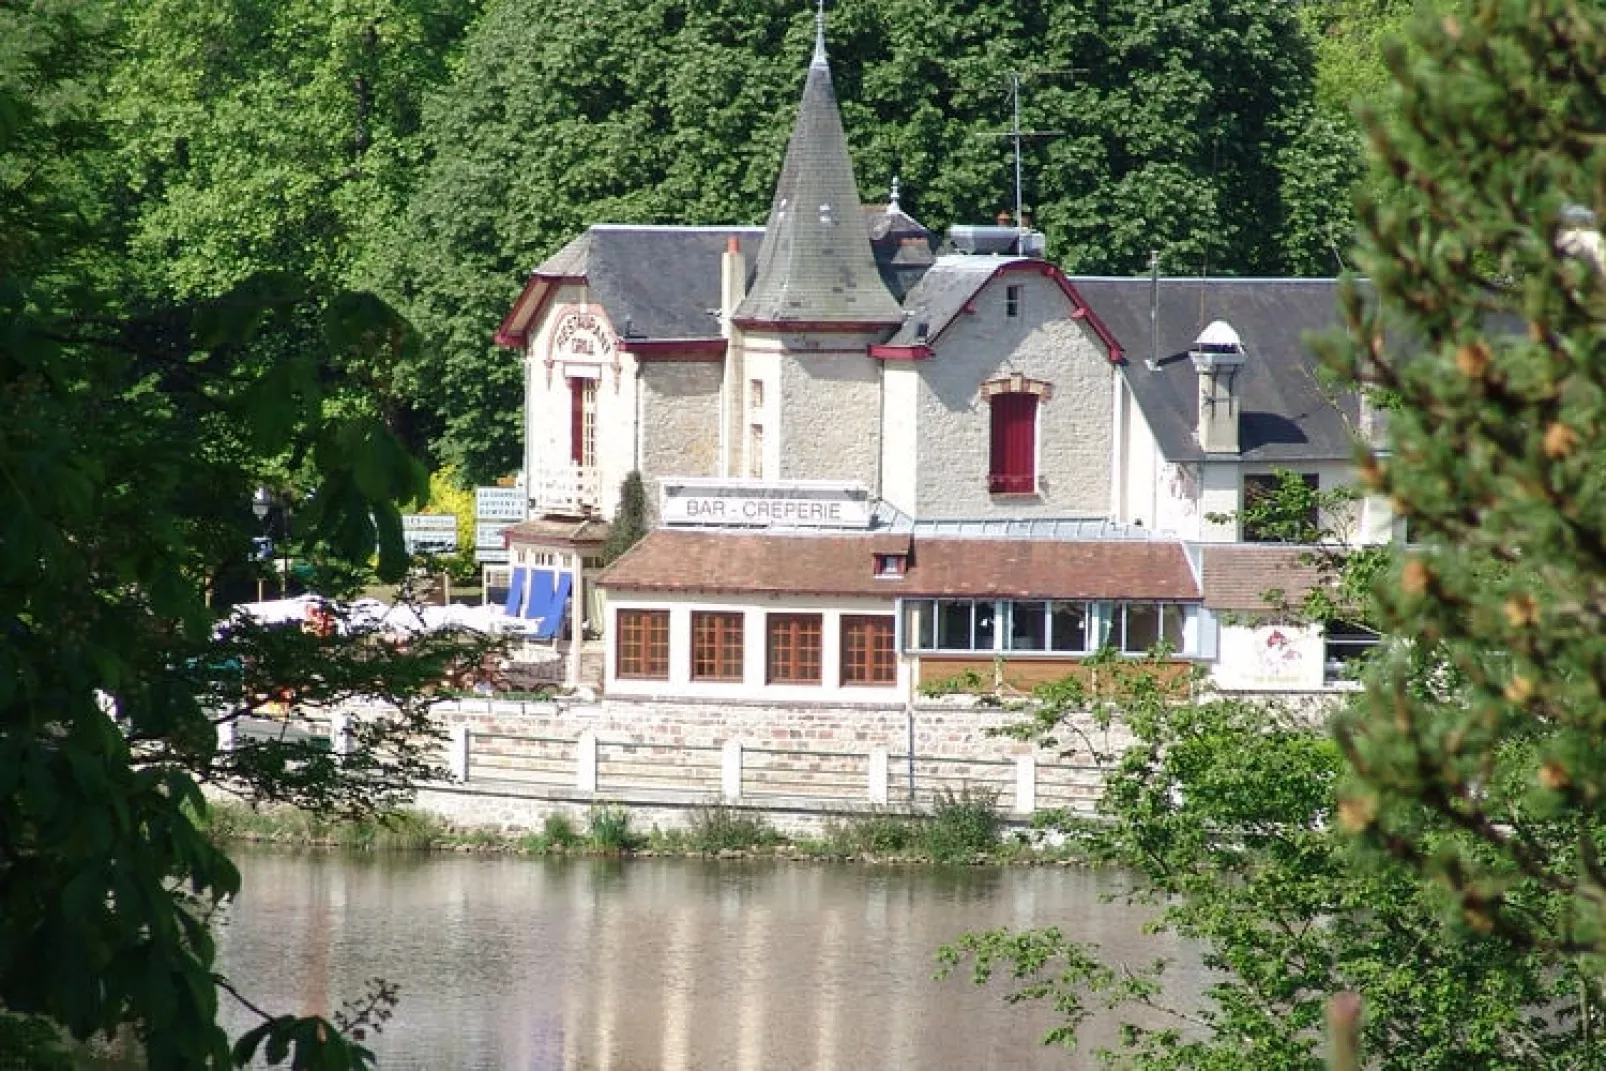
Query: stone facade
column 682, row 438
column 830, row 417
column 953, row 419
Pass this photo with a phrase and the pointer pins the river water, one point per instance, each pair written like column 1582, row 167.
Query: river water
column 649, row 964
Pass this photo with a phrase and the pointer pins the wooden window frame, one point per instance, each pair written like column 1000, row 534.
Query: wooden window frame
column 867, row 662
column 718, row 645
column 1012, row 454
column 642, row 649
column 794, row 648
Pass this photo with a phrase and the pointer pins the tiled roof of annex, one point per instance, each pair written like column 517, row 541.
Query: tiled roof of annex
column 967, row 560
column 1238, row 576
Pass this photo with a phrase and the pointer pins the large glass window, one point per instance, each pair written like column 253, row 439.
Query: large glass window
column 1140, row 626
column 920, row 625
column 954, row 625
column 1068, row 626
column 716, row 646
column 794, row 646
column 643, row 650
column 1346, row 647
column 868, row 656
column 1028, row 626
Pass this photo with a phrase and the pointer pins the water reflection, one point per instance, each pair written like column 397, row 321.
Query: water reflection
column 646, row 964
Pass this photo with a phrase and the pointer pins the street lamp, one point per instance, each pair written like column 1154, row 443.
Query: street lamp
column 261, row 504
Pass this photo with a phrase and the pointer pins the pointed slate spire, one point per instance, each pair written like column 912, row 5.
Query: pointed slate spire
column 816, row 266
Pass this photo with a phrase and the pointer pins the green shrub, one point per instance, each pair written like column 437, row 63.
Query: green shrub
column 609, row 829
column 558, row 831
column 962, row 824
column 717, row 827
column 29, row 1043
column 871, row 833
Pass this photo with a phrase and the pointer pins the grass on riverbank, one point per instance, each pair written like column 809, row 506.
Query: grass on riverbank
column 963, row 827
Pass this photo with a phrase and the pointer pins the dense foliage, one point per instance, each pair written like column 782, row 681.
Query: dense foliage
column 1221, row 811
column 1487, row 328
column 1467, row 913
column 134, row 427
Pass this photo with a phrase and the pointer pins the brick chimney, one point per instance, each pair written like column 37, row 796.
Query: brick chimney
column 1218, row 356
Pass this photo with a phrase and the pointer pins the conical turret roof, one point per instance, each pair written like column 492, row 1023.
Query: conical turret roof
column 816, row 265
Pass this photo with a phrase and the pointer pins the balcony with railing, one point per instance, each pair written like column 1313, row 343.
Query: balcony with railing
column 568, row 489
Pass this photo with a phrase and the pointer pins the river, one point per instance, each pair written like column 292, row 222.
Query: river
column 649, row 964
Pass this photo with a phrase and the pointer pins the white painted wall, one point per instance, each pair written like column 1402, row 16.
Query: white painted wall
column 680, row 685
column 1073, row 427
column 900, row 436
column 1269, row 658
column 546, row 404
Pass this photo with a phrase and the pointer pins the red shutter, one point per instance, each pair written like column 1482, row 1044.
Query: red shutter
column 1014, row 444
column 577, row 421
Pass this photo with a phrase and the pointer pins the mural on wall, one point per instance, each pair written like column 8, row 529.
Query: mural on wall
column 1278, row 658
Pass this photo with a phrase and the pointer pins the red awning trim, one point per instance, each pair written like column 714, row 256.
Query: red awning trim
column 901, row 353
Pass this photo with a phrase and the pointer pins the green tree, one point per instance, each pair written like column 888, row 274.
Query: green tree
column 1488, row 773
column 630, row 522
column 133, row 430
column 1221, row 811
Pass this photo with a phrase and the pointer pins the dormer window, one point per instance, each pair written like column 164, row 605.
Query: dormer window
column 891, row 566
column 1012, row 299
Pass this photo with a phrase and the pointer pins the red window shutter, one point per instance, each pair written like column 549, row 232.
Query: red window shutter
column 577, row 421
column 1014, row 444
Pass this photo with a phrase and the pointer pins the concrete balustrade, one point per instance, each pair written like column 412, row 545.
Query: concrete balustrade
column 793, row 763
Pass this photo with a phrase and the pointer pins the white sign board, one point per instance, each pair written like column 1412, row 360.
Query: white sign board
column 489, row 547
column 429, row 533
column 500, row 504
column 798, row 504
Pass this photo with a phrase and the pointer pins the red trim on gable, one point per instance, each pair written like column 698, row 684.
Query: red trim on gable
column 901, row 353
column 514, row 330
column 1080, row 309
column 674, row 349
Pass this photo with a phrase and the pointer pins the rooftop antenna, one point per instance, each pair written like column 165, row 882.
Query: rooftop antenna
column 1016, row 134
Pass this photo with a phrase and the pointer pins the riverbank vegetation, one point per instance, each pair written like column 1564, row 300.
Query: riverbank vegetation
column 963, row 827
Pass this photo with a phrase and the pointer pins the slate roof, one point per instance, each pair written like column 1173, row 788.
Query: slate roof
column 730, row 563
column 654, row 282
column 815, row 265
column 942, row 293
column 1286, row 416
column 1238, row 575
column 904, row 249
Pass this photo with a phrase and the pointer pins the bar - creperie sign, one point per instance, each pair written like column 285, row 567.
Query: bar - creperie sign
column 798, row 504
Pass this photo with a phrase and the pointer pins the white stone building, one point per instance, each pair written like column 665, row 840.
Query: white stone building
column 874, row 463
